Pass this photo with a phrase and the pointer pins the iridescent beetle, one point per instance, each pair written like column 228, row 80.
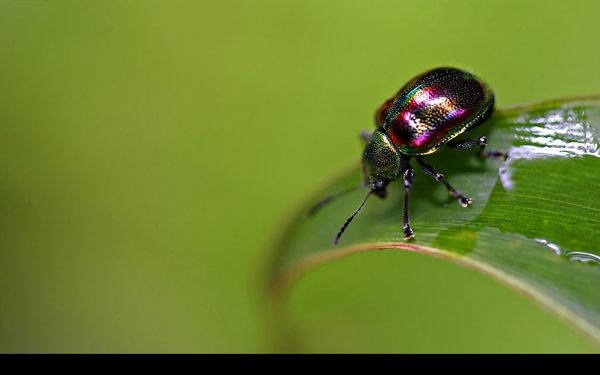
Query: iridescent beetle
column 426, row 114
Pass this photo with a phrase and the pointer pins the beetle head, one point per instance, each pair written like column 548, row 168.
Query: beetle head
column 381, row 164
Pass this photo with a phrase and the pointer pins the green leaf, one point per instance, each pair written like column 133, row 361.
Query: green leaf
column 534, row 223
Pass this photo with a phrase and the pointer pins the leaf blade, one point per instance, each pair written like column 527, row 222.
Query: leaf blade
column 532, row 215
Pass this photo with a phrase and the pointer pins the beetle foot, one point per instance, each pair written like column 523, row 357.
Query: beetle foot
column 408, row 233
column 497, row 155
column 464, row 201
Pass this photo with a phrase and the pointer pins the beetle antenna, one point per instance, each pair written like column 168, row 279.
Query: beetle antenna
column 333, row 197
column 337, row 238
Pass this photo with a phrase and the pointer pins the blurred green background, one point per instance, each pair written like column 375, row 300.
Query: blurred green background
column 151, row 152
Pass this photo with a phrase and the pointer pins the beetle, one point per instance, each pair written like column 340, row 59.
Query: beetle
column 428, row 113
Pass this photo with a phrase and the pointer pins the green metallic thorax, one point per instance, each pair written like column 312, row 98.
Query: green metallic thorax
column 381, row 159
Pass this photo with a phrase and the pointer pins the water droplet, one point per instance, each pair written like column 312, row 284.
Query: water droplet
column 583, row 257
column 554, row 247
column 573, row 256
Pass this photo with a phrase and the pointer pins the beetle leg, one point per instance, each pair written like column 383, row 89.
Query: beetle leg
column 468, row 144
column 463, row 200
column 409, row 177
column 494, row 154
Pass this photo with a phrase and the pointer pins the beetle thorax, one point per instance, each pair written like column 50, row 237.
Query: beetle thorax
column 381, row 159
